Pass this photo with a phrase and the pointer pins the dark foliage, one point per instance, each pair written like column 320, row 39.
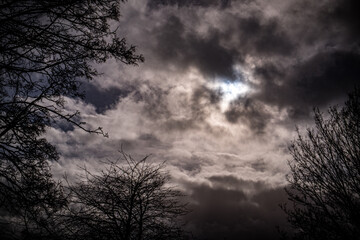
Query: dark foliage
column 46, row 49
column 325, row 176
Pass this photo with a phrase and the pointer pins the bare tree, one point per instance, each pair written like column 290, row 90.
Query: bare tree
column 46, row 49
column 126, row 201
column 30, row 200
column 325, row 176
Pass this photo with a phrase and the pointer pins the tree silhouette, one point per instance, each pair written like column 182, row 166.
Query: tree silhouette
column 47, row 48
column 31, row 199
column 126, row 201
column 325, row 176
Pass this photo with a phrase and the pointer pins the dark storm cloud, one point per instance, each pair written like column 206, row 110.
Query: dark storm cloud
column 328, row 75
column 249, row 112
column 262, row 37
column 347, row 13
column 325, row 77
column 185, row 50
column 223, row 211
column 331, row 23
column 187, row 3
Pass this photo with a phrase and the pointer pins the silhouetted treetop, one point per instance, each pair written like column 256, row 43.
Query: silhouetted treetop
column 40, row 36
column 130, row 199
column 325, row 175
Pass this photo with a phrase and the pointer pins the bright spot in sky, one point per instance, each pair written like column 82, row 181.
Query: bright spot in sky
column 231, row 90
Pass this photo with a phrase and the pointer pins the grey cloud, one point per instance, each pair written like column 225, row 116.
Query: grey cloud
column 203, row 97
column 192, row 165
column 327, row 29
column 259, row 165
column 144, row 142
column 331, row 23
column 192, row 168
column 223, row 213
column 325, row 77
column 96, row 149
column 180, row 124
column 148, row 138
column 212, row 53
column 302, row 56
column 231, row 182
column 203, row 100
column 154, row 99
column 248, row 111
column 347, row 13
column 210, row 95
column 186, row 49
column 79, row 149
column 264, row 37
column 187, row 3
column 328, row 23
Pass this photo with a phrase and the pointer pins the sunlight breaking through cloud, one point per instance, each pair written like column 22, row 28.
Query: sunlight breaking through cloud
column 230, row 90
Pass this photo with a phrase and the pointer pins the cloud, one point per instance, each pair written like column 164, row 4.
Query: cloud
column 346, row 12
column 188, row 49
column 250, row 112
column 188, row 3
column 229, row 156
column 155, row 101
column 203, row 97
column 265, row 37
column 231, row 182
column 221, row 210
column 324, row 78
column 216, row 51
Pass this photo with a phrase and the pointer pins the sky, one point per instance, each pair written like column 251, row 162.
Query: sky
column 223, row 87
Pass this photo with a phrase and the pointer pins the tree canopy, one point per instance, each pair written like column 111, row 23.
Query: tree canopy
column 325, row 175
column 46, row 49
column 130, row 199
